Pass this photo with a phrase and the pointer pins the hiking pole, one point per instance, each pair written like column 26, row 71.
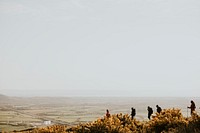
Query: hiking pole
column 187, row 112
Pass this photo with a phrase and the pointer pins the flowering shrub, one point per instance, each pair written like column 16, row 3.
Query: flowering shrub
column 169, row 120
column 114, row 124
column 193, row 125
column 50, row 129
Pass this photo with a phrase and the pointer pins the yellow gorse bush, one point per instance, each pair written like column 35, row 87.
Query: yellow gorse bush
column 169, row 120
column 51, row 129
column 114, row 123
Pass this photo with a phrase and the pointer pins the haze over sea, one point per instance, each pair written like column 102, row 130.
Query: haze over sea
column 133, row 48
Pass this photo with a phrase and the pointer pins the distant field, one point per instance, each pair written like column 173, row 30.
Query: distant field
column 14, row 119
column 72, row 111
column 11, row 120
column 11, row 116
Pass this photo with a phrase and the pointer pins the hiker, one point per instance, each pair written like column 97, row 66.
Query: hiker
column 150, row 112
column 192, row 107
column 133, row 113
column 107, row 113
column 158, row 109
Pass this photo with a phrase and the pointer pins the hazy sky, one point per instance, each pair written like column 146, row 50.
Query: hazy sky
column 100, row 47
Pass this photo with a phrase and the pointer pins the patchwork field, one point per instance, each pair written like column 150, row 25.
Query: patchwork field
column 19, row 114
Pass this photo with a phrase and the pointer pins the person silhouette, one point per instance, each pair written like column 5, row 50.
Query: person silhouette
column 150, row 112
column 158, row 109
column 107, row 113
column 192, row 107
column 133, row 113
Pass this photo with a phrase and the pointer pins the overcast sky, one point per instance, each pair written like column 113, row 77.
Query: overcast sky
column 100, row 48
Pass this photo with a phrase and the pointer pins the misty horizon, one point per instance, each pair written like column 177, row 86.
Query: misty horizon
column 100, row 48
